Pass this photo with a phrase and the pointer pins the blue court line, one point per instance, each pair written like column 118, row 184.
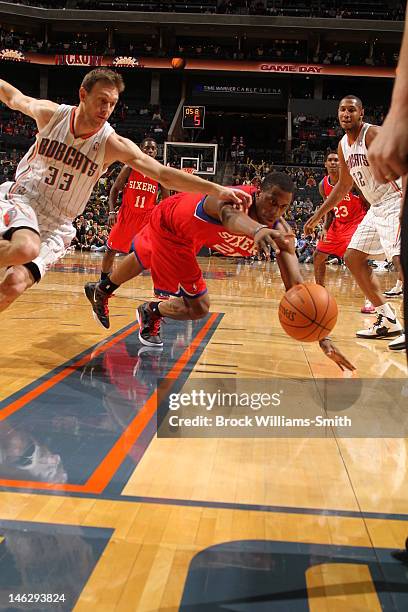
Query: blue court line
column 193, row 503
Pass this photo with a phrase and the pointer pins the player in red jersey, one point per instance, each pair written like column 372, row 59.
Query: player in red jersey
column 176, row 231
column 339, row 225
column 139, row 197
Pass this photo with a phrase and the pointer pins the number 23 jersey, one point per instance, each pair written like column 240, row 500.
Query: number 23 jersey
column 350, row 210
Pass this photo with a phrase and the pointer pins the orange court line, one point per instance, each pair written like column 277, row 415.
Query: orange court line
column 51, row 382
column 111, row 462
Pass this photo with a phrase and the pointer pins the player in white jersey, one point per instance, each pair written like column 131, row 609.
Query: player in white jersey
column 379, row 231
column 54, row 180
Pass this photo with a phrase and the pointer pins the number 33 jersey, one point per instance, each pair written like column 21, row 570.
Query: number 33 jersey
column 350, row 210
column 58, row 173
column 356, row 158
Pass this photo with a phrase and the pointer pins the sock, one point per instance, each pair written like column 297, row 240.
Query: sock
column 104, row 275
column 107, row 286
column 154, row 307
column 387, row 311
column 399, row 284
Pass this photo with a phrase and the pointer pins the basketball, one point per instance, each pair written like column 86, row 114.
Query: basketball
column 178, row 63
column 308, row 312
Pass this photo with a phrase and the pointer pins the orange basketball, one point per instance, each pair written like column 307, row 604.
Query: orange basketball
column 178, row 63
column 308, row 312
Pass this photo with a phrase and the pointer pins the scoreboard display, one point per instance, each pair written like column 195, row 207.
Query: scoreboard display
column 193, row 117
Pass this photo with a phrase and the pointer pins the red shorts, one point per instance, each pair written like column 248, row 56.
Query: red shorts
column 337, row 239
column 172, row 262
column 122, row 233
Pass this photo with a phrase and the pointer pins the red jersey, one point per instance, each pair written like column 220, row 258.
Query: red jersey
column 139, row 194
column 184, row 216
column 350, row 210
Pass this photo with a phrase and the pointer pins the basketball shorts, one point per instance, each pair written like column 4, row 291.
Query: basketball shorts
column 15, row 213
column 337, row 239
column 172, row 262
column 125, row 229
column 55, row 239
column 379, row 231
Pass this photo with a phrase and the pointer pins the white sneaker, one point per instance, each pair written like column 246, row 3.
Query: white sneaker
column 394, row 292
column 385, row 326
column 398, row 344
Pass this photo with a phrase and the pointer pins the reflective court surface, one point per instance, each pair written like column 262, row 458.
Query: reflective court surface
column 99, row 513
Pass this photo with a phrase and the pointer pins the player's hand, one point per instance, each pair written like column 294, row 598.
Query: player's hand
column 388, row 153
column 266, row 238
column 241, row 199
column 333, row 353
column 112, row 218
column 310, row 225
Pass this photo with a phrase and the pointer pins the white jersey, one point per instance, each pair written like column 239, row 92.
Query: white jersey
column 58, row 173
column 357, row 162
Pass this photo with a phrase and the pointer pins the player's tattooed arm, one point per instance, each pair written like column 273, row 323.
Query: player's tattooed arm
column 40, row 110
column 238, row 222
column 341, row 189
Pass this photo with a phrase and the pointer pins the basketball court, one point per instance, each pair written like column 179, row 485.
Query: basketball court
column 97, row 508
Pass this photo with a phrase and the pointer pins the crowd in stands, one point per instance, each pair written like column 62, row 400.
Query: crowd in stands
column 279, row 50
column 313, row 136
column 334, row 9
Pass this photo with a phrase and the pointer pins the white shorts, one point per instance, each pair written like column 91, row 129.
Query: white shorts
column 15, row 213
column 55, row 239
column 56, row 233
column 379, row 231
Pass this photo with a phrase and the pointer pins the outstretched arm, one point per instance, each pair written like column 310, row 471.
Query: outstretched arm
column 238, row 222
column 342, row 188
column 40, row 110
column 126, row 151
column 291, row 275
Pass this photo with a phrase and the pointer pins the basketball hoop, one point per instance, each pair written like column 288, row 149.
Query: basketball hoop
column 188, row 170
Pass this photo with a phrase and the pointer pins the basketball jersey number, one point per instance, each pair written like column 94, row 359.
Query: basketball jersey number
column 341, row 211
column 359, row 179
column 140, row 201
column 66, row 179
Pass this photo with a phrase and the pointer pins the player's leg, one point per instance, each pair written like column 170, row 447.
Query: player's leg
column 186, row 308
column 179, row 276
column 99, row 293
column 16, row 280
column 397, row 290
column 319, row 264
column 357, row 263
column 369, row 239
column 107, row 262
column 22, row 246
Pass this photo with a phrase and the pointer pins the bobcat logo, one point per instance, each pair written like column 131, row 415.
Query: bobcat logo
column 9, row 216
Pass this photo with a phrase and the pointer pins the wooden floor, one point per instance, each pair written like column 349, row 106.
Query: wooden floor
column 120, row 519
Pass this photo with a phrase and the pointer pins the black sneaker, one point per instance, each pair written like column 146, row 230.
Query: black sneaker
column 99, row 302
column 149, row 331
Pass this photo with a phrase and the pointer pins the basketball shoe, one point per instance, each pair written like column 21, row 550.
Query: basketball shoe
column 399, row 344
column 368, row 308
column 395, row 291
column 99, row 302
column 385, row 326
column 149, row 331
